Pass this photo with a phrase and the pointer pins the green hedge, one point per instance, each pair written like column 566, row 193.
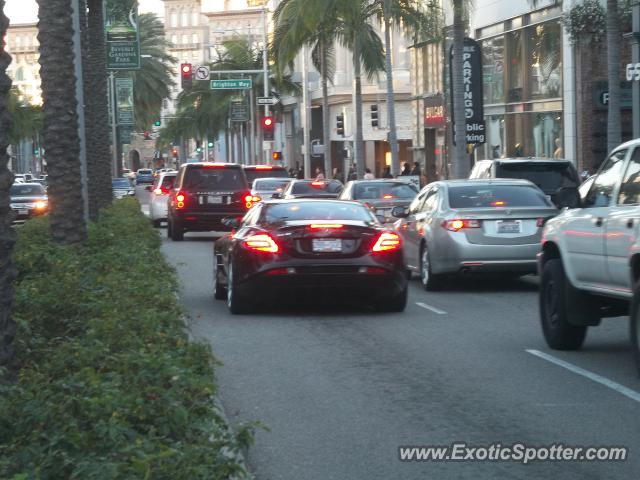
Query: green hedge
column 110, row 386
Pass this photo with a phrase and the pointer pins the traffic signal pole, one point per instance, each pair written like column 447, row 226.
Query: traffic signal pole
column 265, row 66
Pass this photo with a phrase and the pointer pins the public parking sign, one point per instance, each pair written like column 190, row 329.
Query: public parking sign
column 235, row 84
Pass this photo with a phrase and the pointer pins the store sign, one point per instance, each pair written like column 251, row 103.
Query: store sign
column 433, row 111
column 123, row 37
column 601, row 95
column 473, row 95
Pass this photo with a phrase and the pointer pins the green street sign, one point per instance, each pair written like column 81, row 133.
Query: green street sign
column 236, row 84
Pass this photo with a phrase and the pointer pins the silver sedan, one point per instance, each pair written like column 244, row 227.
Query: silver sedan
column 460, row 226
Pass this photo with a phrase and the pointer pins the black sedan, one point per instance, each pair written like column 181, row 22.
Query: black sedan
column 281, row 248
column 28, row 200
column 312, row 189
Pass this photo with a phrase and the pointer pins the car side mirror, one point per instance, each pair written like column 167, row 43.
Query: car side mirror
column 399, row 212
column 277, row 195
column 568, row 197
column 232, row 222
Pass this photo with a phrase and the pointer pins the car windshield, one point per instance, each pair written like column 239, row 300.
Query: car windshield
column 167, row 181
column 280, row 212
column 214, row 179
column 270, row 184
column 26, row 190
column 549, row 177
column 120, row 183
column 144, row 172
column 383, row 190
column 497, row 196
column 255, row 173
column 316, row 187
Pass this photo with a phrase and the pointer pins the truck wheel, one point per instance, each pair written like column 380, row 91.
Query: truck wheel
column 634, row 322
column 558, row 301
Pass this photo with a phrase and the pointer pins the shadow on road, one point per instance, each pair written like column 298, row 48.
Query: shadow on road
column 491, row 283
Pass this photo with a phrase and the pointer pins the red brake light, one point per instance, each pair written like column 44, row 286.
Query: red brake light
column 261, row 242
column 213, row 166
column 264, row 167
column 180, row 197
column 333, row 226
column 458, row 224
column 386, row 242
column 180, row 200
column 317, row 184
column 498, row 203
column 387, row 197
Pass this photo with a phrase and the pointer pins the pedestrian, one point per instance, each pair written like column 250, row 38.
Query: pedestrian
column 368, row 175
column 352, row 173
column 406, row 169
column 386, row 173
column 300, row 174
column 416, row 169
column 319, row 174
column 337, row 175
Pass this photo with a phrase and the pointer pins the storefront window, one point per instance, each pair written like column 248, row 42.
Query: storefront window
column 495, row 146
column 545, row 60
column 493, row 69
column 547, row 135
column 515, row 47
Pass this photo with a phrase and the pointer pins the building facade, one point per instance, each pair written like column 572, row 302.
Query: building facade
column 24, row 70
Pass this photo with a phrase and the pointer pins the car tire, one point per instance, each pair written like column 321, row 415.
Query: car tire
column 219, row 291
column 558, row 301
column 176, row 232
column 634, row 324
column 397, row 304
column 431, row 282
column 237, row 302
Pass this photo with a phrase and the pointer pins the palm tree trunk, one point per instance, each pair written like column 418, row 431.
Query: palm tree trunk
column 358, row 137
column 391, row 106
column 7, row 234
column 61, row 142
column 614, row 135
column 326, row 114
column 100, row 193
column 460, row 159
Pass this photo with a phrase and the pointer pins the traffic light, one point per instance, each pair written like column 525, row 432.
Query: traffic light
column 186, row 73
column 174, row 152
column 157, row 123
column 210, row 144
column 276, row 156
column 147, row 135
column 374, row 116
column 268, row 125
column 198, row 146
column 340, row 124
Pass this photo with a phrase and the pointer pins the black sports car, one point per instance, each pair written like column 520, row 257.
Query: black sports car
column 282, row 247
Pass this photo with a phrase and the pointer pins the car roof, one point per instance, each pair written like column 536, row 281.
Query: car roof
column 486, row 181
column 631, row 143
column 263, row 167
column 205, row 164
column 310, row 200
column 278, row 179
column 527, row 160
column 381, row 180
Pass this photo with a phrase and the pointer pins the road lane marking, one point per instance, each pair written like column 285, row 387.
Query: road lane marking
column 432, row 308
column 627, row 392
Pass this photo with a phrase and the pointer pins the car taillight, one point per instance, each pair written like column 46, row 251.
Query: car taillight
column 498, row 203
column 330, row 226
column 458, row 224
column 317, row 184
column 264, row 167
column 386, row 242
column 180, row 198
column 249, row 200
column 261, row 242
column 387, row 197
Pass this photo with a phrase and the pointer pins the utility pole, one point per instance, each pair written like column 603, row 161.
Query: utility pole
column 77, row 55
column 391, row 106
column 265, row 66
column 635, row 58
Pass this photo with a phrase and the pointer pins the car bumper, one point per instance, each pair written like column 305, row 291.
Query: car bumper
column 159, row 208
column 25, row 214
column 458, row 255
column 205, row 221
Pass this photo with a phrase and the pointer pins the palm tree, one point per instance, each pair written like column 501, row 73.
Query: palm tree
column 61, row 140
column 26, row 120
column 614, row 135
column 460, row 159
column 7, row 234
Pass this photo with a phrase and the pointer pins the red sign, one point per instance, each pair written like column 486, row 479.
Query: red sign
column 434, row 117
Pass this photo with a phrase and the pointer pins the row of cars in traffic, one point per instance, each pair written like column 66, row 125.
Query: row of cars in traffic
column 513, row 217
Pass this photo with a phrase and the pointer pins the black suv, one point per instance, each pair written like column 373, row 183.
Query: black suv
column 557, row 178
column 204, row 194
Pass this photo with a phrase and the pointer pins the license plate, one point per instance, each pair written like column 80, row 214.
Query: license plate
column 509, row 226
column 327, row 245
column 214, row 199
column 23, row 211
column 384, row 213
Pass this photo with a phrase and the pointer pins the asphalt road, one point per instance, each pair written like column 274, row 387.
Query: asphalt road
column 341, row 387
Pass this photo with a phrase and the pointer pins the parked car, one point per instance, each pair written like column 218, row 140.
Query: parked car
column 28, row 200
column 122, row 188
column 144, row 175
column 264, row 188
column 465, row 226
column 590, row 258
column 312, row 189
column 205, row 193
column 160, row 191
column 282, row 247
column 380, row 195
column 557, row 178
column 254, row 172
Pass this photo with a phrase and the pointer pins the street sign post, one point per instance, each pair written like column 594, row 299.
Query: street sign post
column 268, row 101
column 202, row 73
column 233, row 84
column 239, row 111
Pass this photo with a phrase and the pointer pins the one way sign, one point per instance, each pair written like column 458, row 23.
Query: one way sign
column 268, row 101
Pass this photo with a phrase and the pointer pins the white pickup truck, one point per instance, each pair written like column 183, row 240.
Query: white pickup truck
column 589, row 263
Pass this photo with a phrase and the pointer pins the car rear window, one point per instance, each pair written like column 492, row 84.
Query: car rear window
column 311, row 187
column 24, row 190
column 382, row 190
column 145, row 172
column 269, row 184
column 214, row 179
column 317, row 210
column 255, row 173
column 496, row 196
column 548, row 176
column 120, row 183
column 168, row 181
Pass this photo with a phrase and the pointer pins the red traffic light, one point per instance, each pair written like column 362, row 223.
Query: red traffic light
column 186, row 69
column 267, row 121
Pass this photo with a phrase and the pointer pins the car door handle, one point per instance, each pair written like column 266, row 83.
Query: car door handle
column 597, row 221
column 630, row 223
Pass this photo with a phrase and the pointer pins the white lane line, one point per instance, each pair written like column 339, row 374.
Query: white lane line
column 432, row 308
column 627, row 392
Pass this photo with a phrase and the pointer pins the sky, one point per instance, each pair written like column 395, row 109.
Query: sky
column 26, row 11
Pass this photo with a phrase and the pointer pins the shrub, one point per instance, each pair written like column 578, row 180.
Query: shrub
column 110, row 386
